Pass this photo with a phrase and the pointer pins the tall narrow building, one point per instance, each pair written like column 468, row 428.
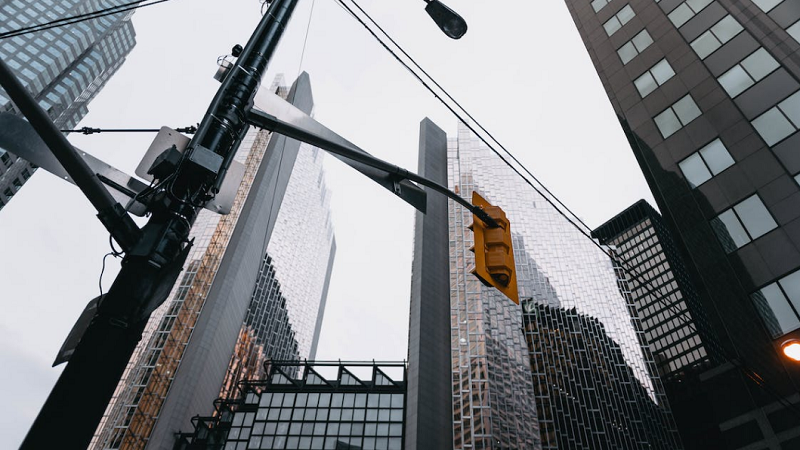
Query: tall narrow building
column 566, row 369
column 63, row 68
column 707, row 93
column 253, row 289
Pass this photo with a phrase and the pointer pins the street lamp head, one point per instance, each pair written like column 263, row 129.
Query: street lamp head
column 453, row 25
column 791, row 349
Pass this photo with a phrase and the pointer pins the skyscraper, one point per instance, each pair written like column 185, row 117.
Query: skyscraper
column 706, row 92
column 63, row 68
column 515, row 381
column 674, row 321
column 253, row 289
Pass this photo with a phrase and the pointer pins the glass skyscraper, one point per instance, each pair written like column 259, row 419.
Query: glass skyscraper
column 63, row 68
column 707, row 92
column 253, row 289
column 568, row 368
column 309, row 405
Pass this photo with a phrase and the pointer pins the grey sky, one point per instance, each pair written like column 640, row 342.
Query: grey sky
column 521, row 69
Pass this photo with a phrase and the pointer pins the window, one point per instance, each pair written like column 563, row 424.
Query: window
column 745, row 222
column 654, row 77
column 722, row 32
column 767, row 5
column 597, row 5
column 619, row 19
column 709, row 161
column 635, row 46
column 794, row 31
column 779, row 303
column 780, row 121
column 687, row 10
column 677, row 116
column 748, row 72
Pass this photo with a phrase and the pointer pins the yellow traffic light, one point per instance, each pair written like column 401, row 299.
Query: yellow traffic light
column 494, row 252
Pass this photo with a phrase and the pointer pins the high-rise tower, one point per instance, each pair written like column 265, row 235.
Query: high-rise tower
column 565, row 369
column 253, row 289
column 63, row 67
column 707, row 93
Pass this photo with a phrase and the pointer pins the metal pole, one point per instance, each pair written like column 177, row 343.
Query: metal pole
column 76, row 405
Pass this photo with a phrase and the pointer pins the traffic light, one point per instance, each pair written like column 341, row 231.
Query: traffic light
column 494, row 252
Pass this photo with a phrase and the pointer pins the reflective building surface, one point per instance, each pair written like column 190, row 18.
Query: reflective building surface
column 666, row 301
column 706, row 92
column 244, row 297
column 567, row 368
column 309, row 405
column 63, row 68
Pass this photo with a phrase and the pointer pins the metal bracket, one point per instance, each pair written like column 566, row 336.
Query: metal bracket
column 271, row 112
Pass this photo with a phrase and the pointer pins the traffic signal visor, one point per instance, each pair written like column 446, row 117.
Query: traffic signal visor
column 494, row 252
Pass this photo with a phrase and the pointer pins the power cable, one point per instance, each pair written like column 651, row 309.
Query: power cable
column 88, row 130
column 610, row 252
column 80, row 18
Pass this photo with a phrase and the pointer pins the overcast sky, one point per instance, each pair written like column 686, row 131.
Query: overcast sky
column 521, row 69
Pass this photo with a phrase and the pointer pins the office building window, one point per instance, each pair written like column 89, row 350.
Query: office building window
column 794, row 31
column 722, row 32
column 779, row 303
column 767, row 5
column 709, row 161
column 677, row 116
column 746, row 221
column 687, row 10
column 597, row 5
column 635, row 46
column 748, row 72
column 619, row 19
column 654, row 77
column 780, row 121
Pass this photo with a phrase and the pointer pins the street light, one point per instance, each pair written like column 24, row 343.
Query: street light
column 453, row 25
column 791, row 349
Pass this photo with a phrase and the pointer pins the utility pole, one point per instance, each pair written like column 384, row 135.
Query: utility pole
column 154, row 256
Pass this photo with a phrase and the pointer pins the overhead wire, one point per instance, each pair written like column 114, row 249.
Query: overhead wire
column 754, row 376
column 80, row 18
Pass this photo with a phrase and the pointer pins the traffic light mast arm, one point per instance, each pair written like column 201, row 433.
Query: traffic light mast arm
column 298, row 125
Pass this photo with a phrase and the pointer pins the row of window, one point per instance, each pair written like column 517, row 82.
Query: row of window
column 318, row 429
column 269, row 442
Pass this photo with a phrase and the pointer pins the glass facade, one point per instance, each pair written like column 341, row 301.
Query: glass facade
column 310, row 405
column 717, row 144
column 63, row 68
column 578, row 376
column 269, row 328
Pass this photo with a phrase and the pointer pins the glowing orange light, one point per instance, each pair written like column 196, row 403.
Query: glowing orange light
column 792, row 349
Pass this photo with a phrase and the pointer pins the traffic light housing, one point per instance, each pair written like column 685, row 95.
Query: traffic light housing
column 494, row 252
